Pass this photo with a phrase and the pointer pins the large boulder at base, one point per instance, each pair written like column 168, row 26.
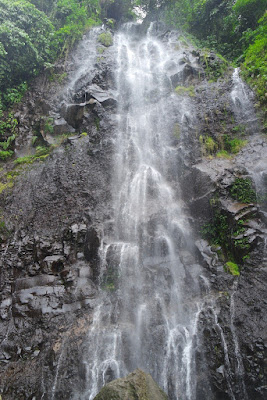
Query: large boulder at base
column 136, row 386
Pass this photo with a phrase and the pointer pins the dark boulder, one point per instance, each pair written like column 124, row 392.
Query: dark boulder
column 136, row 386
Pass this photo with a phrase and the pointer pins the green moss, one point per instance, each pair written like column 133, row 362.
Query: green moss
column 3, row 186
column 184, row 90
column 223, row 154
column 208, row 145
column 232, row 268
column 105, row 38
column 242, row 191
column 84, row 134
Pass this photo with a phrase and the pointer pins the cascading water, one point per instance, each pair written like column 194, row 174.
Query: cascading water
column 149, row 303
column 243, row 106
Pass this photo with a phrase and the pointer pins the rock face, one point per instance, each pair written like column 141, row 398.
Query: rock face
column 136, row 386
column 57, row 212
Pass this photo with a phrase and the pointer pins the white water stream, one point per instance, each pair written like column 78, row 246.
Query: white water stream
column 147, row 315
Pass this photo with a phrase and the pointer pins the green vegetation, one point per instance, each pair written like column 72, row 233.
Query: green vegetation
column 40, row 154
column 242, row 191
column 226, row 235
column 7, row 135
column 215, row 65
column 223, row 154
column 25, row 35
column 33, row 34
column 48, row 126
column 232, row 268
column 183, row 90
column 223, row 145
column 208, row 145
column 106, row 39
column 236, row 28
column 110, row 279
column 217, row 232
column 254, row 68
column 233, row 145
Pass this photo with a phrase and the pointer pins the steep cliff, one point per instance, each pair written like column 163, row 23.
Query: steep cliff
column 57, row 209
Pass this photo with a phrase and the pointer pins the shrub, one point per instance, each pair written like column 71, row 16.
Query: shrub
column 5, row 154
column 106, row 39
column 242, row 191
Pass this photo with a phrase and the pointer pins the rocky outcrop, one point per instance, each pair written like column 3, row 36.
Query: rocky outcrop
column 136, row 386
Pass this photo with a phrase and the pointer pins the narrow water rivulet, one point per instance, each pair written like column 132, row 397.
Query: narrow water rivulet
column 150, row 300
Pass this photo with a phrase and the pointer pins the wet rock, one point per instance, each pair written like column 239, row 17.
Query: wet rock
column 53, row 264
column 209, row 257
column 73, row 114
column 61, row 126
column 103, row 97
column 136, row 386
column 187, row 74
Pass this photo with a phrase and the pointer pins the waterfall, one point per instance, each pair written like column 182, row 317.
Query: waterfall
column 149, row 304
column 242, row 104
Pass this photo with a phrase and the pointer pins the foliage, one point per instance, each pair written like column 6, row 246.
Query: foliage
column 208, row 145
column 40, row 154
column 235, row 28
column 214, row 64
column 48, row 126
column 5, row 154
column 248, row 12
column 29, row 38
column 254, row 68
column 217, row 232
column 120, row 10
column 242, row 191
column 25, row 35
column 233, row 145
column 223, row 154
column 7, row 135
column 105, row 38
column 228, row 234
column 72, row 19
column 232, row 268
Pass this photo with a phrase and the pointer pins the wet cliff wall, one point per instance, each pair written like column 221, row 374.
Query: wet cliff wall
column 55, row 212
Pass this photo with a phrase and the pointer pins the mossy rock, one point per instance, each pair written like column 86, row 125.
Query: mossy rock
column 136, row 386
column 232, row 268
column 105, row 39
